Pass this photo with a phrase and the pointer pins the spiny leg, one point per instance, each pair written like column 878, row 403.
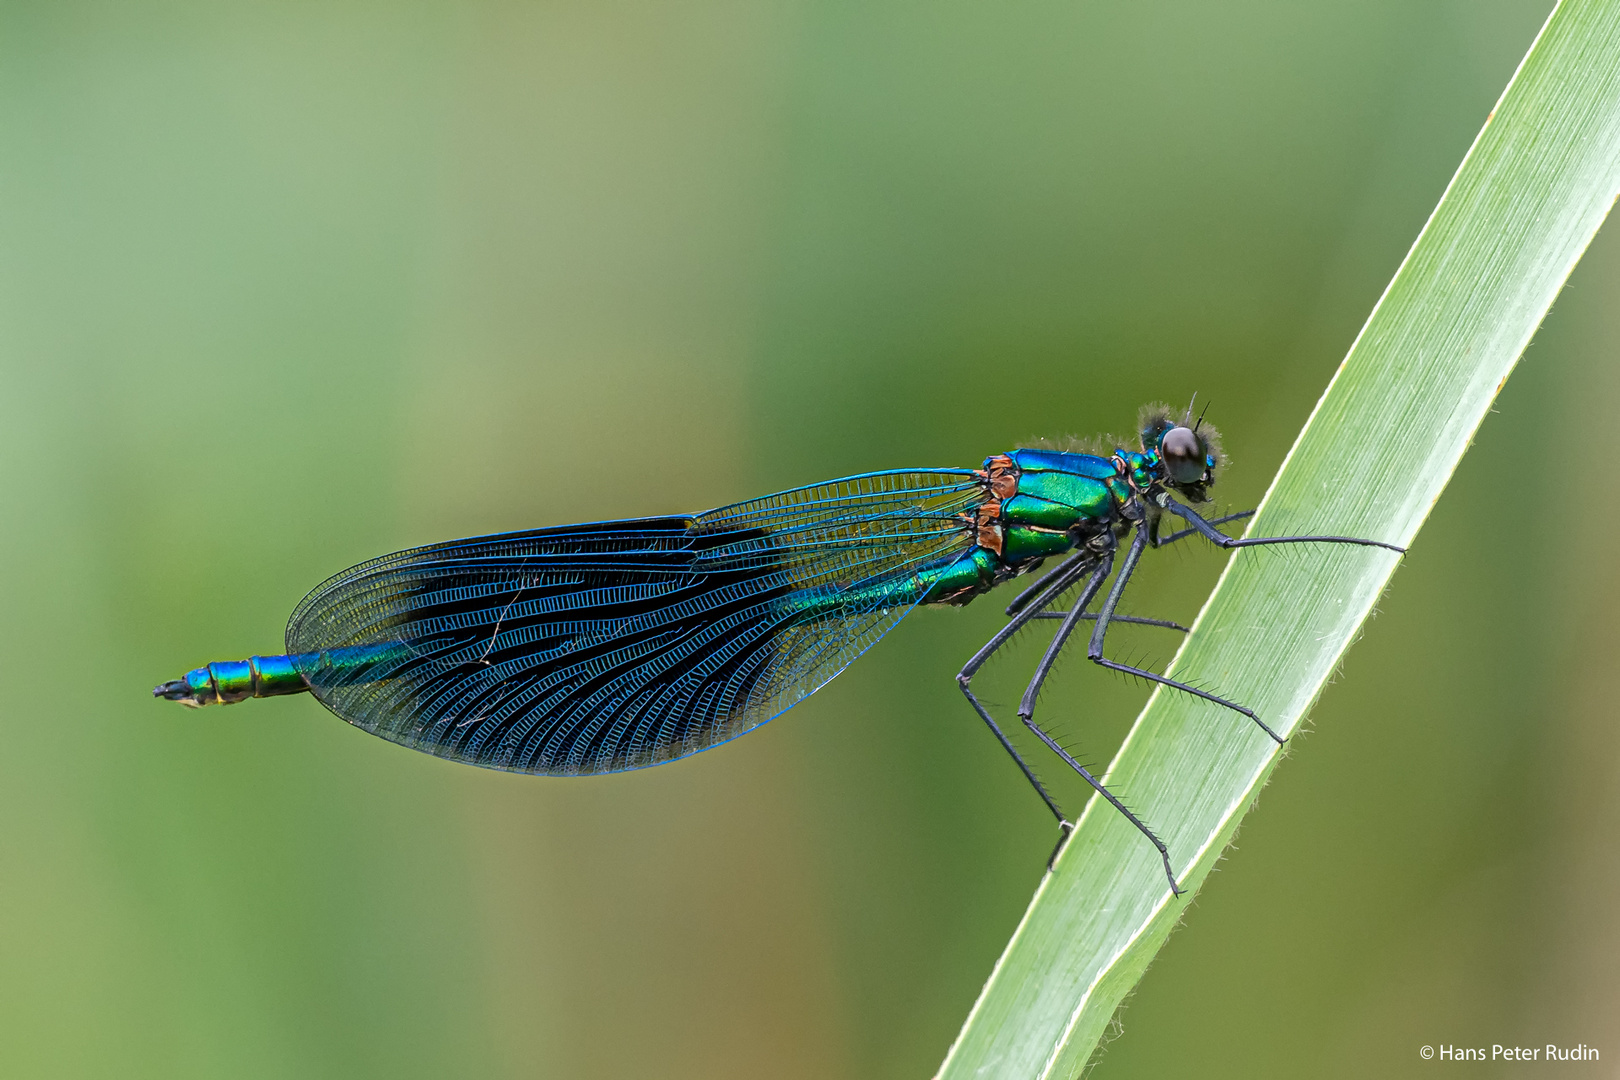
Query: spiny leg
column 1153, row 541
column 1215, row 536
column 1074, row 568
column 1166, row 623
column 1164, row 852
column 1068, row 564
column 1077, row 612
column 1026, row 712
column 1161, row 541
column 1065, row 567
column 1094, row 651
column 1047, row 595
column 1207, row 529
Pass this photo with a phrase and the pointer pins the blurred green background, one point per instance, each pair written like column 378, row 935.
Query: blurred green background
column 285, row 286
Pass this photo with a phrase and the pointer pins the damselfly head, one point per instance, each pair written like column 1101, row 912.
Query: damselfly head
column 1188, row 450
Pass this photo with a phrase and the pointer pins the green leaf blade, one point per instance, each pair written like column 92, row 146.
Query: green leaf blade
column 1371, row 461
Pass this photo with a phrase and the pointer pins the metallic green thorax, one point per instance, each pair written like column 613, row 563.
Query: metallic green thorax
column 1040, row 503
column 1037, row 504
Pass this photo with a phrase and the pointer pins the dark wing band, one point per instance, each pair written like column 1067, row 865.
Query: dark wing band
column 618, row 645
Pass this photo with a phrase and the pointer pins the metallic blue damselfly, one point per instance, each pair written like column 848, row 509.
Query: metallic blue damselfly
column 618, row 645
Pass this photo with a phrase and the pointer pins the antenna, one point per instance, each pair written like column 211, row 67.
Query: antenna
column 1200, row 415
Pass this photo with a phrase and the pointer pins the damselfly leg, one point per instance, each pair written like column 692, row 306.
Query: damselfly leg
column 1207, row 529
column 1094, row 651
column 1220, row 539
column 1044, row 593
column 1068, row 828
column 1073, row 569
column 1026, row 712
column 1018, row 603
column 1089, row 616
column 1042, row 586
column 1023, row 598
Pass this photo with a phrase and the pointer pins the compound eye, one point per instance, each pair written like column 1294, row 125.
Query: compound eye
column 1183, row 456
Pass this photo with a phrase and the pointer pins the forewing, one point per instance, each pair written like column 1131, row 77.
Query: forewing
column 598, row 648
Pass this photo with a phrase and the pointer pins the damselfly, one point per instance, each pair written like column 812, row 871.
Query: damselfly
column 617, row 645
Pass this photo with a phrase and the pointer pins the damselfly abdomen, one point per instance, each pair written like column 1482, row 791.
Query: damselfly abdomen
column 617, row 645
